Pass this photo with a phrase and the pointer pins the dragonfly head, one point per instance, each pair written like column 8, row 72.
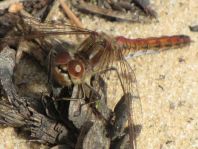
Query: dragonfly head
column 68, row 70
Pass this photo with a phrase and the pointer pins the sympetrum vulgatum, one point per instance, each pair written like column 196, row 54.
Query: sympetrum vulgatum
column 98, row 54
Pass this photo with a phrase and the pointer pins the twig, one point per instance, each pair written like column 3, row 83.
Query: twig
column 70, row 14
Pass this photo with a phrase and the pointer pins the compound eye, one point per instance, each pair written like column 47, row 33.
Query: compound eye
column 76, row 68
column 62, row 58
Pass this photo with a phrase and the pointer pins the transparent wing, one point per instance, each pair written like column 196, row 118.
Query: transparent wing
column 121, row 81
column 30, row 28
column 109, row 61
column 110, row 58
column 129, row 82
column 48, row 27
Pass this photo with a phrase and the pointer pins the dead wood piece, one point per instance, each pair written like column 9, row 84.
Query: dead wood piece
column 121, row 143
column 79, row 114
column 97, row 137
column 47, row 130
column 109, row 14
column 100, row 103
column 10, row 116
column 38, row 8
column 95, row 108
column 83, row 132
column 119, row 10
column 7, row 64
column 145, row 5
column 121, row 117
column 194, row 28
column 16, row 111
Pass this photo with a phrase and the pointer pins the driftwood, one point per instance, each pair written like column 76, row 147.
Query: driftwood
column 119, row 10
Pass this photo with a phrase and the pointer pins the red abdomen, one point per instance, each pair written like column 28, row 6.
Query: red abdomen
column 153, row 43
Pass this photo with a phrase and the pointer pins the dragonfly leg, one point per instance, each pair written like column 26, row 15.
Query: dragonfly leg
column 93, row 93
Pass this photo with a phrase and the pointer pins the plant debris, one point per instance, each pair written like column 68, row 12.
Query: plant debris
column 119, row 10
column 194, row 28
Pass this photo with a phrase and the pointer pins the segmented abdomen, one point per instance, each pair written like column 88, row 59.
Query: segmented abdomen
column 153, row 43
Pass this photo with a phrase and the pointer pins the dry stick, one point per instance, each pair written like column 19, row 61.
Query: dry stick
column 70, row 14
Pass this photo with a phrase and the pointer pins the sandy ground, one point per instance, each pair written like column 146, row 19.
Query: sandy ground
column 167, row 86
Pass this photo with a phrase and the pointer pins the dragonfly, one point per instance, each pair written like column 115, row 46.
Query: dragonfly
column 98, row 54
